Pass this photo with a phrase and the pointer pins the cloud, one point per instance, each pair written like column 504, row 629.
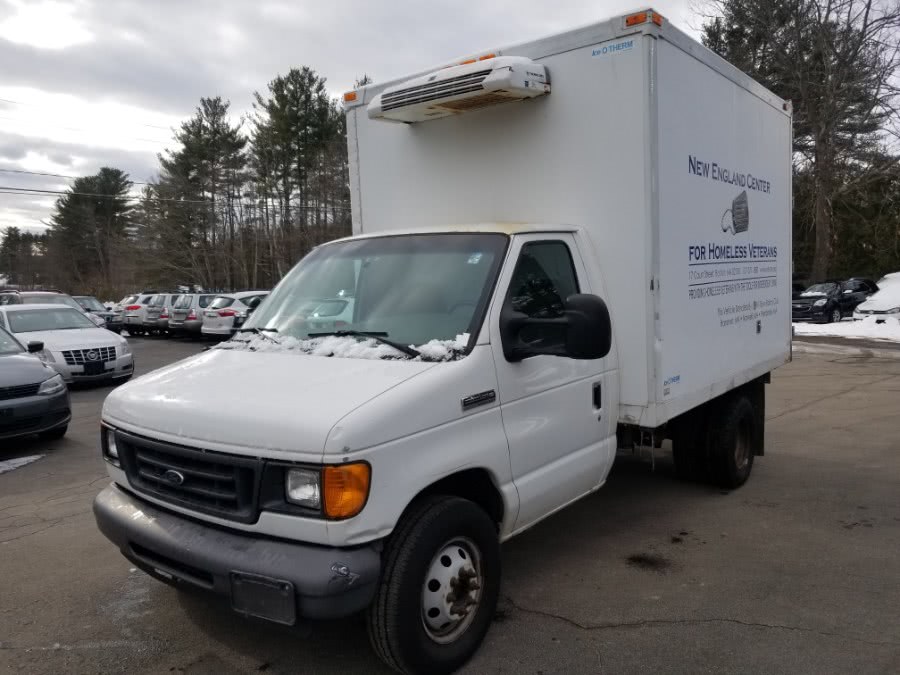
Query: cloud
column 101, row 83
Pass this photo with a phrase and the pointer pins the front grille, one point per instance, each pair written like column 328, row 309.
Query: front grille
column 78, row 357
column 432, row 91
column 21, row 391
column 210, row 482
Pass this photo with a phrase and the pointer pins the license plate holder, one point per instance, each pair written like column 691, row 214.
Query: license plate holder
column 94, row 368
column 264, row 598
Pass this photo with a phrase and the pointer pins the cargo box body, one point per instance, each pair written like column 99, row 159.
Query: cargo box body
column 676, row 168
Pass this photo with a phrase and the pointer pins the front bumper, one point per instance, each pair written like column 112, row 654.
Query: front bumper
column 314, row 582
column 122, row 366
column 33, row 415
column 817, row 314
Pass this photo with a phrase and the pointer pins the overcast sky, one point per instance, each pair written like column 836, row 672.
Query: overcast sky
column 91, row 83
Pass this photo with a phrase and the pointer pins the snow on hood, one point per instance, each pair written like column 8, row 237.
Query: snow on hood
column 80, row 338
column 887, row 298
column 812, row 294
column 348, row 347
column 226, row 399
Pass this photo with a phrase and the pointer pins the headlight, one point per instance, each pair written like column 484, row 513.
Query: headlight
column 124, row 349
column 301, row 487
column 819, row 303
column 46, row 356
column 893, row 310
column 52, row 386
column 108, row 445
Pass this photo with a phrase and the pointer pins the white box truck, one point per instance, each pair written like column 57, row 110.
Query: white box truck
column 560, row 248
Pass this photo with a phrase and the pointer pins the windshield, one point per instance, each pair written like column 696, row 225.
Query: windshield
column 28, row 320
column 410, row 288
column 820, row 289
column 51, row 299
column 8, row 344
column 91, row 304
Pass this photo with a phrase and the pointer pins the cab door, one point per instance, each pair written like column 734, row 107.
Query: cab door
column 556, row 410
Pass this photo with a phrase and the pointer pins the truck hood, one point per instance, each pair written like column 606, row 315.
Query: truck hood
column 282, row 402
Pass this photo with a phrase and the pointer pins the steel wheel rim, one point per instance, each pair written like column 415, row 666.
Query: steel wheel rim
column 451, row 593
column 742, row 446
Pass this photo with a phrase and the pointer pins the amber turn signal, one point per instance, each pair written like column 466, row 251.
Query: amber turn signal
column 346, row 489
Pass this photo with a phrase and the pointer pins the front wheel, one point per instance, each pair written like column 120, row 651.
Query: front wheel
column 439, row 587
column 835, row 315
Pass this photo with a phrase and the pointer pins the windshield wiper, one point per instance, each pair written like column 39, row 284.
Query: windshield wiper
column 380, row 336
column 260, row 331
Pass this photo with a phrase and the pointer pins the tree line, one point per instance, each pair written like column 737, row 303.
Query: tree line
column 235, row 205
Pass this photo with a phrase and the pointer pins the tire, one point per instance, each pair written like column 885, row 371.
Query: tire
column 403, row 629
column 733, row 442
column 834, row 316
column 54, row 434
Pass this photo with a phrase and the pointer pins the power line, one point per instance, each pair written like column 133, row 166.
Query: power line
column 36, row 105
column 58, row 175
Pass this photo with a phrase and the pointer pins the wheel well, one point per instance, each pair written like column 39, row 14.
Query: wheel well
column 475, row 485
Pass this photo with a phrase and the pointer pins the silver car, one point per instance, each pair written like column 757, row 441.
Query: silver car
column 186, row 313
column 159, row 305
column 73, row 346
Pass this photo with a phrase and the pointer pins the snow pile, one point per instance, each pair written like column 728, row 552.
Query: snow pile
column 345, row 346
column 867, row 329
column 18, row 462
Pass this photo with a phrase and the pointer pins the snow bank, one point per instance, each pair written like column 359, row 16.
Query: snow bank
column 867, row 329
column 347, row 347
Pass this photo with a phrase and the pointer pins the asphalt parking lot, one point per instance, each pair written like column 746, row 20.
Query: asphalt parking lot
column 796, row 572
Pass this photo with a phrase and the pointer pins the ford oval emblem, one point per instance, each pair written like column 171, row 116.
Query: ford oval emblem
column 173, row 477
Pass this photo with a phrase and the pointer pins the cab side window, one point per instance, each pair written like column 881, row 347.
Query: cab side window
column 543, row 279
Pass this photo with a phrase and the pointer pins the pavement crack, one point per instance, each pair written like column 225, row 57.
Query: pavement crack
column 832, row 395
column 688, row 622
column 29, row 534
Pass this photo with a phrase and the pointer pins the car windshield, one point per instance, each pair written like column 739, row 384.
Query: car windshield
column 52, row 299
column 8, row 344
column 91, row 304
column 411, row 289
column 28, row 320
column 821, row 289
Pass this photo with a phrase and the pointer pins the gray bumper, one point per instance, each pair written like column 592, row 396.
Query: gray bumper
column 326, row 582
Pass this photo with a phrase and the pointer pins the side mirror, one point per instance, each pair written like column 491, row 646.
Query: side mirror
column 584, row 331
column 35, row 347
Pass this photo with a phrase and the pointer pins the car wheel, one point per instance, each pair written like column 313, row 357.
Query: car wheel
column 733, row 441
column 835, row 315
column 54, row 434
column 439, row 587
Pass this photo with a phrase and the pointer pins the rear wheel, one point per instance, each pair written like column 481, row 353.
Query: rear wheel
column 439, row 587
column 733, row 442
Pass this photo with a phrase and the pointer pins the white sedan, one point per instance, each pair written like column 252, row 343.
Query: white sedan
column 76, row 348
column 226, row 313
column 885, row 304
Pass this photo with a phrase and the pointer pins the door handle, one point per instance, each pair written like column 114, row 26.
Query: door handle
column 598, row 396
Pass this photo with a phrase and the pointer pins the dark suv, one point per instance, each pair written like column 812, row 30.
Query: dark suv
column 830, row 301
column 33, row 397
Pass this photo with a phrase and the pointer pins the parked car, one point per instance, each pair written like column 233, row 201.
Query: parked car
column 159, row 304
column 33, row 397
column 330, row 315
column 48, row 297
column 226, row 313
column 883, row 304
column 72, row 345
column 114, row 318
column 829, row 301
column 186, row 313
column 135, row 314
